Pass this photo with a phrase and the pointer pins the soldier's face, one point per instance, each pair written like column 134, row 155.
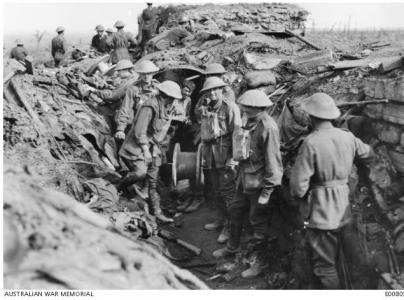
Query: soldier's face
column 186, row 92
column 100, row 33
column 250, row 112
column 146, row 77
column 215, row 94
column 124, row 73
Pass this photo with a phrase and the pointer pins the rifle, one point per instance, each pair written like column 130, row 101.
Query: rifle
column 361, row 103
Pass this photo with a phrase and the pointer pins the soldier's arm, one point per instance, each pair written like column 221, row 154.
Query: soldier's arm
column 93, row 45
column 64, row 45
column 363, row 151
column 234, row 117
column 301, row 172
column 125, row 114
column 141, row 125
column 273, row 161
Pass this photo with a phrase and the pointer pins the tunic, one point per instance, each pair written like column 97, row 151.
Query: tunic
column 323, row 165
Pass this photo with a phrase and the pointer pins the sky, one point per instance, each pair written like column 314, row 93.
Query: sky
column 77, row 17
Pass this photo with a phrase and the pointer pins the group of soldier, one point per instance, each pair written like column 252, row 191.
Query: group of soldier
column 242, row 161
column 241, row 154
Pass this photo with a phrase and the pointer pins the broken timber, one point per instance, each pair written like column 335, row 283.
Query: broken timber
column 302, row 39
column 26, row 105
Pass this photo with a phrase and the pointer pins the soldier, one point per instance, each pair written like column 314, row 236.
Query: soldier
column 98, row 41
column 215, row 70
column 19, row 52
column 258, row 180
column 126, row 77
column 121, row 41
column 219, row 117
column 59, row 46
column 141, row 149
column 108, row 38
column 319, row 179
column 148, row 24
column 136, row 95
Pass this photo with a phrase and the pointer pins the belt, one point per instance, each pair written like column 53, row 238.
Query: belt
column 329, row 183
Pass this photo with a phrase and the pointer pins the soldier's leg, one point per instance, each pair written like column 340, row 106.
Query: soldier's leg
column 213, row 195
column 237, row 209
column 324, row 247
column 226, row 191
column 136, row 175
column 152, row 178
column 257, row 246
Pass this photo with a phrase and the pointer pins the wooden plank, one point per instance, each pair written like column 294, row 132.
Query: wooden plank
column 389, row 64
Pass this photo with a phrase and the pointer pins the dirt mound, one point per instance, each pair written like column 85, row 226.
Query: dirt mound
column 62, row 244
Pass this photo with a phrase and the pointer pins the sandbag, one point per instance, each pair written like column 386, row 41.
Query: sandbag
column 258, row 78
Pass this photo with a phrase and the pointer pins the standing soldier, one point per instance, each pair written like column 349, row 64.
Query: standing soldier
column 121, row 41
column 214, row 70
column 219, row 117
column 147, row 25
column 319, row 179
column 59, row 46
column 99, row 42
column 19, row 52
column 258, row 180
column 108, row 38
column 141, row 149
column 136, row 95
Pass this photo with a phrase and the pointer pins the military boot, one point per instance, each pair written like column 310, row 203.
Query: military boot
column 225, row 252
column 224, row 234
column 214, row 225
column 257, row 267
column 155, row 203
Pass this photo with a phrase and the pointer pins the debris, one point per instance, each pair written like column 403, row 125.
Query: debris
column 171, row 237
column 259, row 78
column 302, row 39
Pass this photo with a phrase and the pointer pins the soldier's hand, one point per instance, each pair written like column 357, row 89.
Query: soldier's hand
column 263, row 200
column 120, row 135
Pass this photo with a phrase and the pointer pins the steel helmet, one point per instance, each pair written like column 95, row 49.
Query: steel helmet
column 215, row 69
column 99, row 28
column 212, row 83
column 146, row 66
column 110, row 30
column 255, row 98
column 19, row 43
column 322, row 106
column 123, row 64
column 170, row 88
column 60, row 29
column 119, row 24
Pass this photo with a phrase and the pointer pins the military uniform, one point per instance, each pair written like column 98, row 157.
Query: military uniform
column 120, row 44
column 135, row 96
column 260, row 174
column 149, row 16
column 59, row 49
column 19, row 53
column 218, row 151
column 100, row 43
column 320, row 175
column 146, row 130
